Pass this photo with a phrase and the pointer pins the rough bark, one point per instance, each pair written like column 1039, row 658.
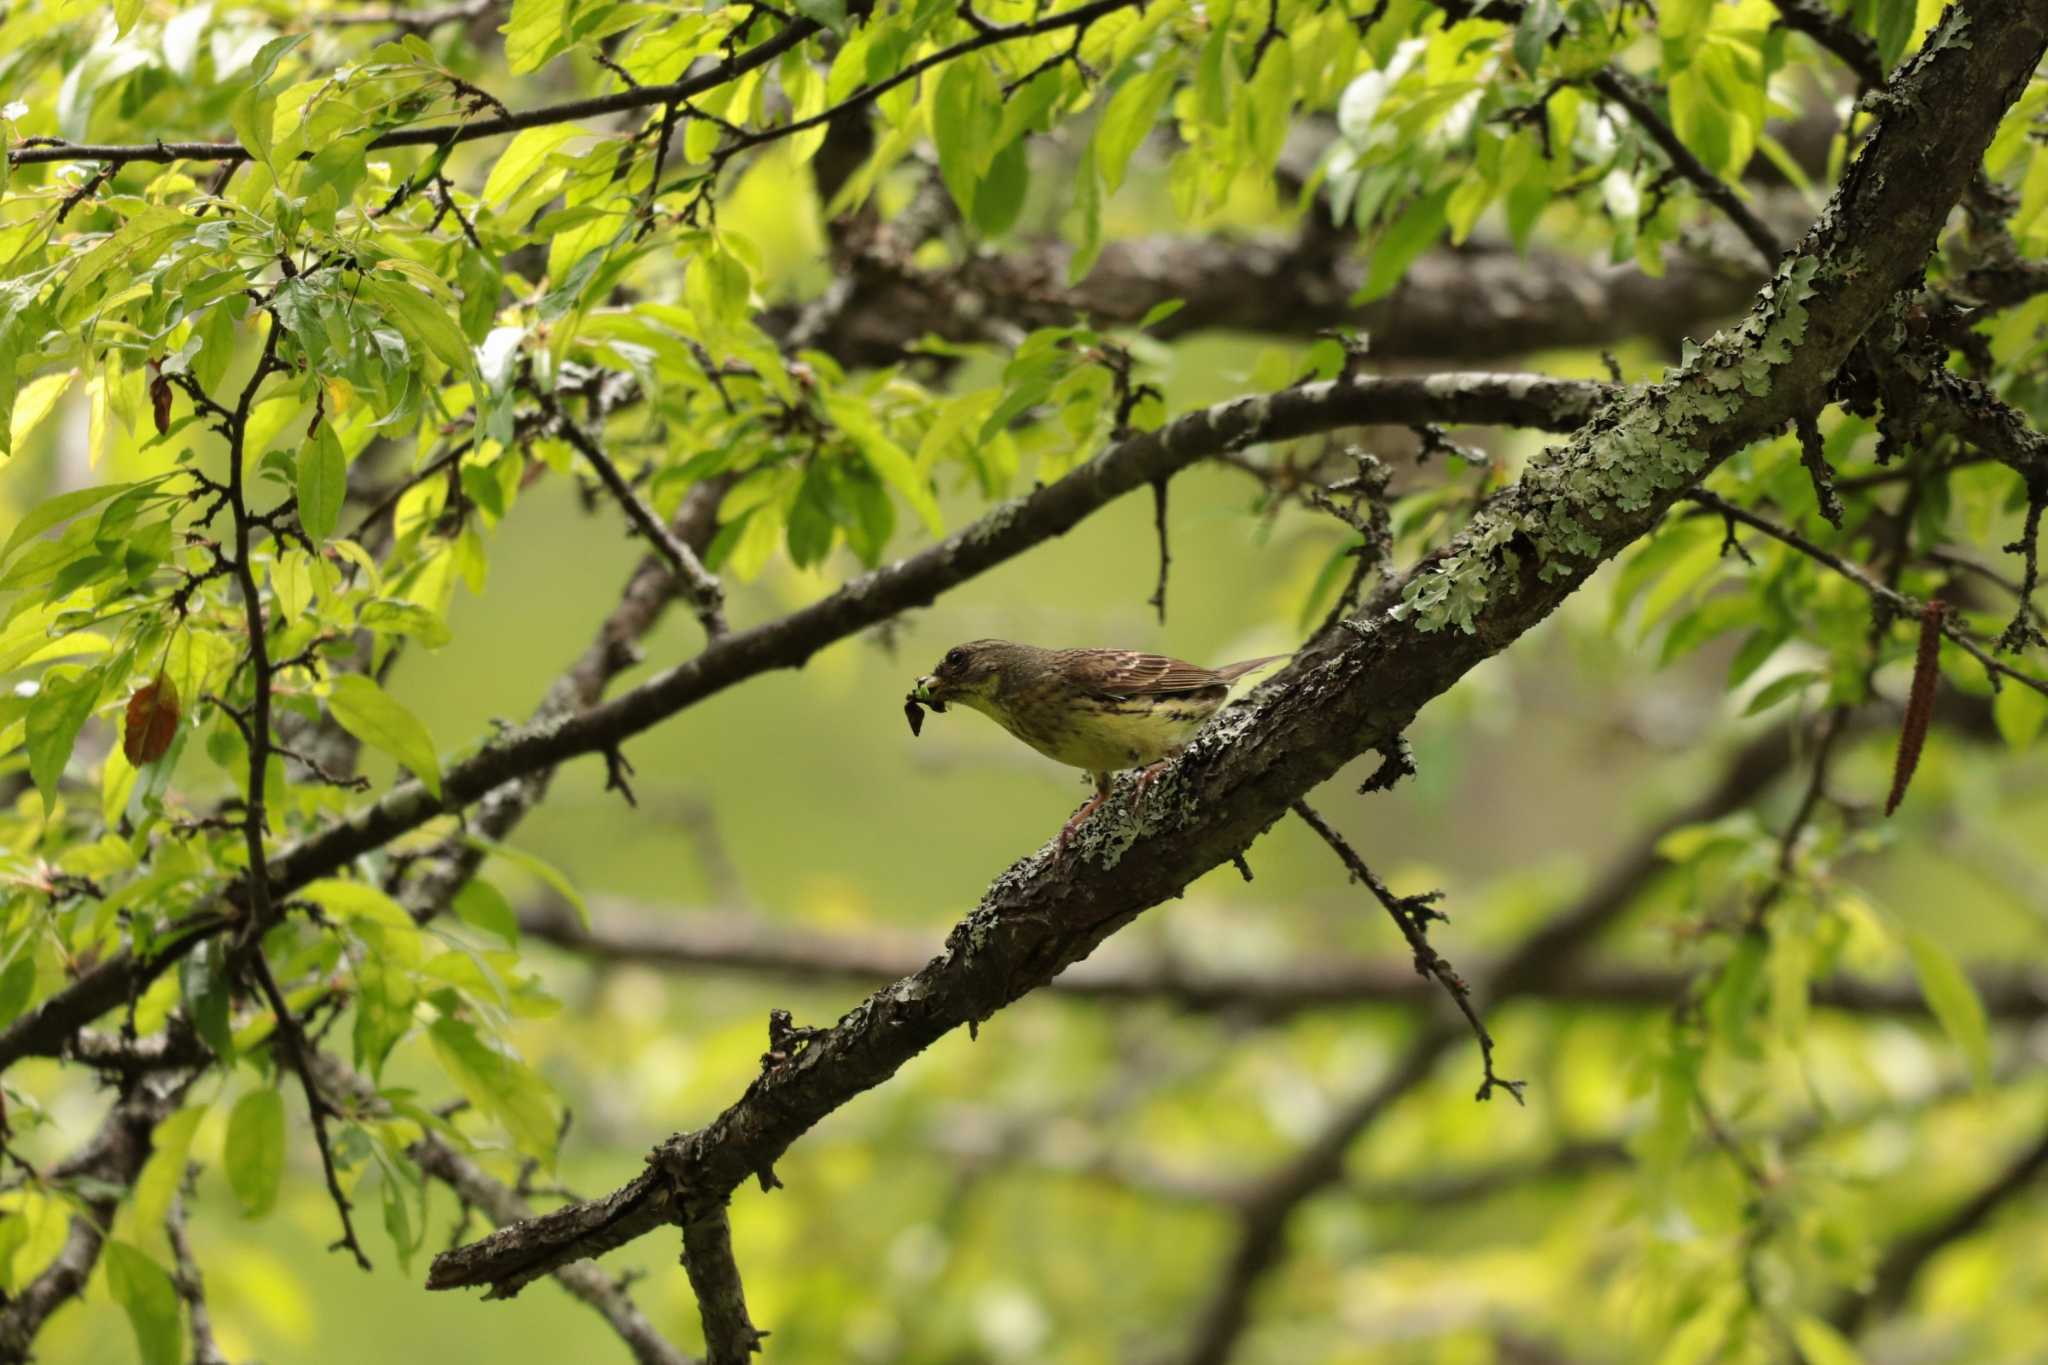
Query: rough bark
column 1519, row 558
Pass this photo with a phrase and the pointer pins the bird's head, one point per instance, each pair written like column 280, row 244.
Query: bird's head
column 971, row 674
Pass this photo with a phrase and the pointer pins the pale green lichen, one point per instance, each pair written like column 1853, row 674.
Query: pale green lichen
column 1618, row 467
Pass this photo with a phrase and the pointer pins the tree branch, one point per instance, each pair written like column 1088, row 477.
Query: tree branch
column 733, row 941
column 1005, row 532
column 706, row 596
column 503, row 1205
column 1905, row 1259
column 1521, row 555
column 106, row 1166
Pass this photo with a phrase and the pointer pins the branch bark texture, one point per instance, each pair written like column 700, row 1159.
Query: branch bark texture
column 1521, row 556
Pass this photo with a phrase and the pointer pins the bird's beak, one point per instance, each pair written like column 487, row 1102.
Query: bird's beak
column 930, row 691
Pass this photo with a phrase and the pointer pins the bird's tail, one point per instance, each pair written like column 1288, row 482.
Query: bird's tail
column 1232, row 672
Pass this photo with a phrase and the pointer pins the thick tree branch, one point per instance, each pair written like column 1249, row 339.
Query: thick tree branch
column 734, row 941
column 1005, row 532
column 1463, row 306
column 106, row 1166
column 1519, row 558
column 729, row 1334
column 1833, row 31
column 1905, row 1259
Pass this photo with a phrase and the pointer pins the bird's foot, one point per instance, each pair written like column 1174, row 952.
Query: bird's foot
column 1146, row 777
column 1074, row 822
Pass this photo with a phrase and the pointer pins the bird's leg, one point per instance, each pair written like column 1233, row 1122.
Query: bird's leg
column 1088, row 808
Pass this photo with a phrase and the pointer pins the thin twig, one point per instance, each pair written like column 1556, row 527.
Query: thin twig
column 707, row 596
column 1411, row 916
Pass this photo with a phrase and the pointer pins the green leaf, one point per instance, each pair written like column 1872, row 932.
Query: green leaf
column 1779, row 688
column 499, row 1084
column 426, row 319
column 480, row 904
column 56, row 715
column 146, row 1295
column 2019, row 712
column 33, row 403
column 164, row 1172
column 522, row 158
column 1820, row 1344
column 254, row 1154
column 1000, row 197
column 966, row 113
column 60, row 508
column 369, row 713
column 1413, row 232
column 889, row 460
column 1539, row 19
column 264, row 64
column 208, row 998
column 1896, row 20
column 534, row 32
column 1129, row 118
column 1160, row 312
column 357, row 901
column 1954, row 1001
column 322, row 483
column 17, row 984
column 541, row 868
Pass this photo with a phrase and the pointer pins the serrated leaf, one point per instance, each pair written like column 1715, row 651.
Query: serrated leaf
column 254, row 1153
column 369, row 713
column 1954, row 1001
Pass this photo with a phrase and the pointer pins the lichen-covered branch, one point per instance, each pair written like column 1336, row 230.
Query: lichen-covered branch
column 1521, row 555
column 1004, row 533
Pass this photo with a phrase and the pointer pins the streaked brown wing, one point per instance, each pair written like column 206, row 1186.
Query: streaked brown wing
column 1127, row 673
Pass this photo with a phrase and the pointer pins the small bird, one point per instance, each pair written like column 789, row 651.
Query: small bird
column 1103, row 710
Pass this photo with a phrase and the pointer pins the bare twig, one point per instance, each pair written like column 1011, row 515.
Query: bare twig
column 706, row 595
column 1411, row 916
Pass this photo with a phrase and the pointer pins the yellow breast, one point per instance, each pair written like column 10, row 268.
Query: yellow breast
column 1107, row 737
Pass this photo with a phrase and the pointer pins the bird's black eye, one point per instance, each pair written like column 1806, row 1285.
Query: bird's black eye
column 955, row 660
